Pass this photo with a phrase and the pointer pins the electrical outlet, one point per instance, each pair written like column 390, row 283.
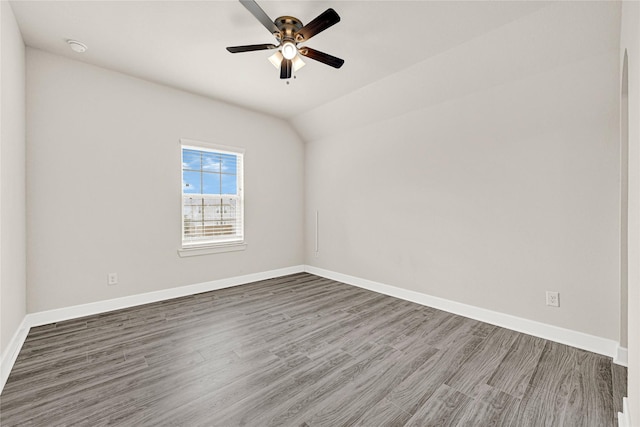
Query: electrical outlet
column 112, row 279
column 553, row 299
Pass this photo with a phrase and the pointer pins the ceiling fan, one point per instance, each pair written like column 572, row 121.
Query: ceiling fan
column 289, row 32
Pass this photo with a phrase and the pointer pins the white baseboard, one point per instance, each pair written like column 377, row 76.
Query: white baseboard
column 66, row 313
column 580, row 340
column 10, row 354
column 624, row 419
column 621, row 357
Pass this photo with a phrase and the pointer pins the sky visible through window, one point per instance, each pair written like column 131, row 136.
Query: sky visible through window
column 204, row 172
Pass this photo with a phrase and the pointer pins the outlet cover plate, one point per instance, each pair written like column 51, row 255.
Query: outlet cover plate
column 553, row 299
column 112, row 279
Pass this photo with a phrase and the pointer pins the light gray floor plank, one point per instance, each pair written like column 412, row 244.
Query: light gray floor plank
column 491, row 407
column 516, row 369
column 619, row 383
column 413, row 393
column 350, row 402
column 301, row 350
column 296, row 411
column 383, row 413
column 445, row 407
column 590, row 396
column 545, row 399
column 483, row 363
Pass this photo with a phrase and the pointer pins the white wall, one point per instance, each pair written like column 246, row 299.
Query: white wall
column 103, row 184
column 630, row 42
column 12, row 179
column 485, row 175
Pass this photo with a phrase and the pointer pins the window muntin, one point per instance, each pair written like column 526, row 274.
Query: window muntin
column 212, row 197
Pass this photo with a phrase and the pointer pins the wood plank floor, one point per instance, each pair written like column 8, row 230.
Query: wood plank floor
column 301, row 350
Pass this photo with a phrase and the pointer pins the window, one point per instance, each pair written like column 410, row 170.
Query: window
column 212, row 199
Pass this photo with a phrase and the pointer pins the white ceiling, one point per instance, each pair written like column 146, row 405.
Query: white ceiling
column 182, row 43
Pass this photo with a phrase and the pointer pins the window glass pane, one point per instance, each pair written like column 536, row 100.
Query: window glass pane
column 211, row 202
column 229, row 163
column 192, row 213
column 229, row 184
column 190, row 159
column 191, row 182
column 210, row 162
column 211, row 183
column 229, row 209
column 190, row 229
column 192, row 209
column 212, row 210
column 192, row 201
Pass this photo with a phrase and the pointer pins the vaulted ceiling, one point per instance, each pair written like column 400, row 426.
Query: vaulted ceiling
column 182, row 43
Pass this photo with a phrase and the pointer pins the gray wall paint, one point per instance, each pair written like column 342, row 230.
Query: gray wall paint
column 12, row 179
column 503, row 188
column 103, row 187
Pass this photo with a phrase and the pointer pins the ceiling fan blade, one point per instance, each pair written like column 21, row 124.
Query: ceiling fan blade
column 323, row 21
column 325, row 58
column 251, row 48
column 260, row 15
column 285, row 69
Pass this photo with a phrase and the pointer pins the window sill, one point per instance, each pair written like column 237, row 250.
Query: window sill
column 206, row 250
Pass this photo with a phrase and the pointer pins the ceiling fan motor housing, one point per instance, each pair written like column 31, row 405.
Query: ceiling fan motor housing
column 288, row 26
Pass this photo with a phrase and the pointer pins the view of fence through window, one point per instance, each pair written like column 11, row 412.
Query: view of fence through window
column 211, row 196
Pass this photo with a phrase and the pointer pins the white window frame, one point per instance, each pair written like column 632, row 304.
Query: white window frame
column 209, row 247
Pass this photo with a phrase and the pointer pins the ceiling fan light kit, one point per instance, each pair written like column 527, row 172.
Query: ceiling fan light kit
column 289, row 31
column 289, row 50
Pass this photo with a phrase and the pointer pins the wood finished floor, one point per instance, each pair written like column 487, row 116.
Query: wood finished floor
column 301, row 350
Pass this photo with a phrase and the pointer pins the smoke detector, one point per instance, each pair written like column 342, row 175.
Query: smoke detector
column 76, row 46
